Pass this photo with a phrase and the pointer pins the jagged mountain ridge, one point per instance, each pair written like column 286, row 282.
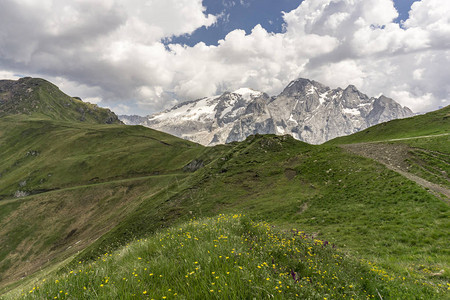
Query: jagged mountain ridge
column 132, row 119
column 306, row 109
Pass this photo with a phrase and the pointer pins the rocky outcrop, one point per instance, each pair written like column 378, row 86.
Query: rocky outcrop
column 132, row 120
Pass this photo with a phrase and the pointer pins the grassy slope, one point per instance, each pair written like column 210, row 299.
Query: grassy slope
column 433, row 123
column 85, row 177
column 96, row 174
column 320, row 189
column 361, row 206
column 47, row 228
column 40, row 154
column 340, row 197
column 227, row 257
column 35, row 96
column 428, row 157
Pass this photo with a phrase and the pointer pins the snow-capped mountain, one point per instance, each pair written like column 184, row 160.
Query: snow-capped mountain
column 306, row 109
column 212, row 120
column 314, row 113
column 132, row 120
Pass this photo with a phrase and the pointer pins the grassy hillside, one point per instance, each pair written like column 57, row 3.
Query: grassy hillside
column 38, row 97
column 38, row 231
column 83, row 179
column 325, row 191
column 228, row 257
column 40, row 154
column 418, row 145
column 322, row 190
column 67, row 178
column 432, row 123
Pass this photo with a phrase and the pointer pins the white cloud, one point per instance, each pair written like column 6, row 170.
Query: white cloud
column 8, row 75
column 378, row 55
column 94, row 100
column 409, row 99
column 112, row 50
column 121, row 109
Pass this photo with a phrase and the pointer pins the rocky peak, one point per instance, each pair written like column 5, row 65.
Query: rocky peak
column 306, row 109
column 248, row 93
column 386, row 109
column 385, row 100
column 352, row 97
column 258, row 106
column 351, row 88
column 296, row 87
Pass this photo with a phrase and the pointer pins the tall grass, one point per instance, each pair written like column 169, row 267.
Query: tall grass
column 228, row 257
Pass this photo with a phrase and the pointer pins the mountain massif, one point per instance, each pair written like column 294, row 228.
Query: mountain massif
column 91, row 210
column 306, row 110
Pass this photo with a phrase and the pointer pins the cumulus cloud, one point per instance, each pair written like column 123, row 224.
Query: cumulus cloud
column 112, row 51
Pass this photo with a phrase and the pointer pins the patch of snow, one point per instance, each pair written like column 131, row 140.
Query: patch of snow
column 247, row 93
column 337, row 95
column 292, row 119
column 351, row 111
column 311, row 91
column 238, row 111
column 290, row 84
column 203, row 108
column 323, row 97
column 280, row 130
column 226, row 111
column 296, row 103
column 357, row 124
column 364, row 104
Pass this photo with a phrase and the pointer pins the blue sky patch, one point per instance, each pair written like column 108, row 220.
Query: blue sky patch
column 403, row 7
column 246, row 14
column 239, row 14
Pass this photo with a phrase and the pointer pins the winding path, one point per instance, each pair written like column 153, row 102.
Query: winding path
column 393, row 157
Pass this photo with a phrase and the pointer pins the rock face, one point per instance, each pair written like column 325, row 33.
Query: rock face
column 217, row 120
column 132, row 120
column 306, row 109
column 314, row 113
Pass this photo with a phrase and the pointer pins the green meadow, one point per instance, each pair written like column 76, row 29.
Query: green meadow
column 93, row 210
column 228, row 257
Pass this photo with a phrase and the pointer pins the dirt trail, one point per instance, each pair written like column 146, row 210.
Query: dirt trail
column 58, row 190
column 393, row 157
column 413, row 138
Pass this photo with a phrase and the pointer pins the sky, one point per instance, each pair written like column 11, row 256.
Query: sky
column 144, row 56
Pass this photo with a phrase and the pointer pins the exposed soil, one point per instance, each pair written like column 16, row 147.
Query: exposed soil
column 394, row 156
column 290, row 174
column 303, row 207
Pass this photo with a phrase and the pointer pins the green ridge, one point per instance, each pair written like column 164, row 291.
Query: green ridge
column 432, row 123
column 41, row 155
column 38, row 97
